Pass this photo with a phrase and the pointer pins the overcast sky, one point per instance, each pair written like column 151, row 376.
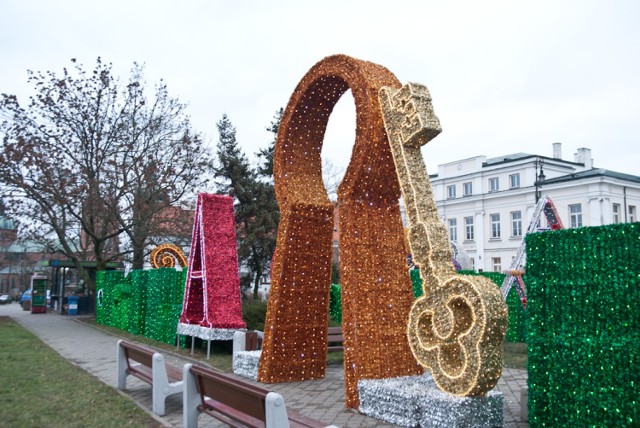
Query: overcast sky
column 505, row 76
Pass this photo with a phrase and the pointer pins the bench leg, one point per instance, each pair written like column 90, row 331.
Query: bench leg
column 275, row 411
column 121, row 360
column 160, row 387
column 239, row 341
column 190, row 399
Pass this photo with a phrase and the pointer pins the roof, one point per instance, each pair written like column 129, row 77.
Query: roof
column 521, row 156
column 507, row 158
column 25, row 246
column 594, row 172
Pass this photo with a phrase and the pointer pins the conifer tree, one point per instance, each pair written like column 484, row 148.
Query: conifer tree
column 256, row 220
column 266, row 168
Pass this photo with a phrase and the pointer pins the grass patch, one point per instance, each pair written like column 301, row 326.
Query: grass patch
column 39, row 388
column 221, row 351
column 514, row 355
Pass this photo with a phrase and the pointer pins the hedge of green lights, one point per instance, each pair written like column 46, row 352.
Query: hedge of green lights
column 516, row 328
column 584, row 326
column 517, row 325
column 145, row 302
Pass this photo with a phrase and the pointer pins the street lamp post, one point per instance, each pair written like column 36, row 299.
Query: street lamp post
column 540, row 177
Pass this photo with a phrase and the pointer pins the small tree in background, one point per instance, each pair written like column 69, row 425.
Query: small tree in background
column 255, row 207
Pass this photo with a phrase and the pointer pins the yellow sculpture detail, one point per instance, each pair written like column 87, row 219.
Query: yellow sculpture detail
column 166, row 255
column 457, row 327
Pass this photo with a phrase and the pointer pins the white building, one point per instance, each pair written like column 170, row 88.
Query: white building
column 487, row 204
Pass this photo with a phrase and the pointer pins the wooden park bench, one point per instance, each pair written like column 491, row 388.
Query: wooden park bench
column 334, row 340
column 247, row 340
column 235, row 402
column 148, row 365
column 252, row 340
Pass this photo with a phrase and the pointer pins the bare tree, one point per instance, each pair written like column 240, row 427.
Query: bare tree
column 331, row 177
column 89, row 160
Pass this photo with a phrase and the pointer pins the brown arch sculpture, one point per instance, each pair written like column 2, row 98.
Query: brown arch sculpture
column 376, row 288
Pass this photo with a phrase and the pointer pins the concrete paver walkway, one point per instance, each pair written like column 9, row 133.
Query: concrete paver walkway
column 95, row 351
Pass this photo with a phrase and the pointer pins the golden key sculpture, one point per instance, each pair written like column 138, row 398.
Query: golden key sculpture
column 457, row 327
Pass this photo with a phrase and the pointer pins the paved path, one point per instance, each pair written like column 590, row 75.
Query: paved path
column 95, row 351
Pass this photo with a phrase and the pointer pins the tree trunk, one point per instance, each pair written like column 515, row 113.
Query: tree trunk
column 138, row 256
column 256, row 284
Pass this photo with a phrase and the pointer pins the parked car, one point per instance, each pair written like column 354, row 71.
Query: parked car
column 25, row 296
column 4, row 299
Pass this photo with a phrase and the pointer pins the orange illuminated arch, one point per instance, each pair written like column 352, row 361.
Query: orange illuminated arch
column 376, row 288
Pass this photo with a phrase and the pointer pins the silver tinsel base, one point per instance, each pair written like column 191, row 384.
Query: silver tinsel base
column 416, row 401
column 245, row 363
column 206, row 333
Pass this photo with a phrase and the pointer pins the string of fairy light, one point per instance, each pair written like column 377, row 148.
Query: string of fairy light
column 457, row 327
column 212, row 307
column 583, row 340
column 146, row 303
column 166, row 255
column 376, row 289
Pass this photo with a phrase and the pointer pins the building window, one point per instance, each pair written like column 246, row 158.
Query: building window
column 495, row 226
column 451, row 192
column 575, row 215
column 616, row 213
column 514, row 181
column 494, row 184
column 516, row 223
column 632, row 213
column 468, row 228
column 453, row 230
column 472, row 262
column 497, row 264
column 467, row 189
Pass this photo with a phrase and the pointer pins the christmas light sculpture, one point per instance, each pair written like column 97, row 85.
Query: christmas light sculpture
column 212, row 307
column 376, row 287
column 166, row 255
column 457, row 327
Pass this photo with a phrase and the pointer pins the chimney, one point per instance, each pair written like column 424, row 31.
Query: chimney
column 557, row 151
column 584, row 157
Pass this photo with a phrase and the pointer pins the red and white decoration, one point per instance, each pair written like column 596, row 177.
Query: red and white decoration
column 212, row 307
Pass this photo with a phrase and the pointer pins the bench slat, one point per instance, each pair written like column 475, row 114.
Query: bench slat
column 141, row 372
column 335, row 339
column 235, row 402
column 248, row 398
column 141, row 355
column 173, row 373
column 229, row 415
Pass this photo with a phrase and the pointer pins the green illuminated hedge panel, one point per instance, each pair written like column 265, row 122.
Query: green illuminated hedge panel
column 105, row 286
column 516, row 330
column 164, row 303
column 146, row 302
column 335, row 303
column 583, row 288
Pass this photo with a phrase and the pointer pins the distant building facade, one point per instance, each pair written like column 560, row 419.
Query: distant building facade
column 487, row 204
column 18, row 259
